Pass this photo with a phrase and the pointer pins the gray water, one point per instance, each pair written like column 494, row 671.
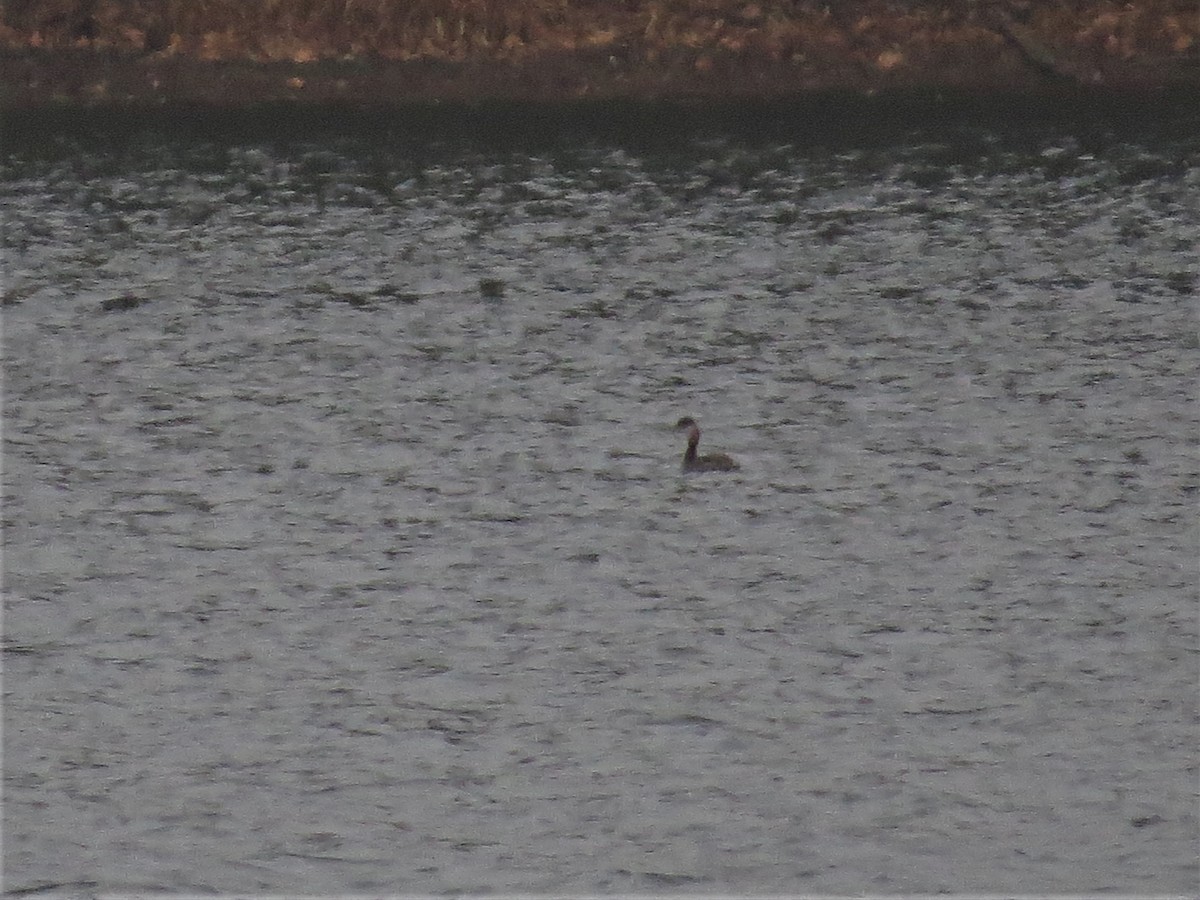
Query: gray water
column 347, row 550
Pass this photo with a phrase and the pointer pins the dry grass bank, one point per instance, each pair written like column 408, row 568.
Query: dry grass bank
column 625, row 46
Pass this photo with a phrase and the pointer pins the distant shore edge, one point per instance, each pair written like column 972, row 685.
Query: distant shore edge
column 79, row 78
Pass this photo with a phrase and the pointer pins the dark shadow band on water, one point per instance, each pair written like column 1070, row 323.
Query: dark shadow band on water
column 829, row 119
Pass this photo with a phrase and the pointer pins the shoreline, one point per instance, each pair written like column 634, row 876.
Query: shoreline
column 39, row 79
column 834, row 118
column 121, row 54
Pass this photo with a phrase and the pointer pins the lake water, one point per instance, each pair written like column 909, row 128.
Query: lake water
column 347, row 550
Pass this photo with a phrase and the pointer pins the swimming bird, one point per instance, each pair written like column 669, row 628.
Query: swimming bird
column 710, row 462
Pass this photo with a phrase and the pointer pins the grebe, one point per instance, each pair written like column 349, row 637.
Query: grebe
column 710, row 462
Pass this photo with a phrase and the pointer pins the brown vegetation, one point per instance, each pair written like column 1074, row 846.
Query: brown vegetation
column 800, row 43
column 307, row 30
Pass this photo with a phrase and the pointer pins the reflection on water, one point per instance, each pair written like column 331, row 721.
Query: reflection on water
column 347, row 547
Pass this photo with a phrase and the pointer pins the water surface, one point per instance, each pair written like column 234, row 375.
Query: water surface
column 346, row 547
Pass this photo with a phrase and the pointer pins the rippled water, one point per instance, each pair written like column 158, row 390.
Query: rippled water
column 346, row 547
